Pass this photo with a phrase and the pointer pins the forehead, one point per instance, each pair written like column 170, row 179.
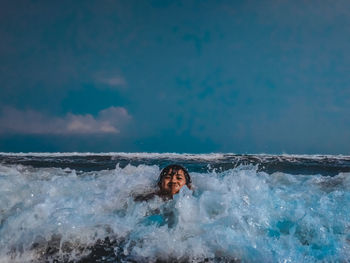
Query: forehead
column 178, row 172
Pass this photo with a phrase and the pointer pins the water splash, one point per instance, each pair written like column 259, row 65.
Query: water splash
column 238, row 214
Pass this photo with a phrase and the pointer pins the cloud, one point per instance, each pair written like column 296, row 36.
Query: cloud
column 111, row 80
column 107, row 121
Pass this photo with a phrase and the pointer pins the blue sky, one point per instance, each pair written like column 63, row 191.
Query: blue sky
column 175, row 76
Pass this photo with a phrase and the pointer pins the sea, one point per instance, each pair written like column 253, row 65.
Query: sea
column 82, row 207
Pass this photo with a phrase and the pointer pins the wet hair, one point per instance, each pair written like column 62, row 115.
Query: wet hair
column 174, row 169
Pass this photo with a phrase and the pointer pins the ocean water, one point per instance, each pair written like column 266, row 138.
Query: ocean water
column 75, row 207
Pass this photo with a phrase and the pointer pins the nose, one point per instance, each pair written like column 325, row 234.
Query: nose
column 173, row 179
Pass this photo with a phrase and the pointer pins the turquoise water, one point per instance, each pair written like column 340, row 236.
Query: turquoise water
column 248, row 208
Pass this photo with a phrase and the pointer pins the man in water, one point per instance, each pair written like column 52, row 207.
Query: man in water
column 171, row 179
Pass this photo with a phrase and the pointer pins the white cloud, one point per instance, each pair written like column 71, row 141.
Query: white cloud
column 108, row 121
column 110, row 79
column 113, row 81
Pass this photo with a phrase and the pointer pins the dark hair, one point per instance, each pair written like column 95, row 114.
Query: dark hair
column 174, row 169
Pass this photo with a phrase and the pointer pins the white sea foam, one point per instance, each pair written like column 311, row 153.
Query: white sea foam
column 239, row 213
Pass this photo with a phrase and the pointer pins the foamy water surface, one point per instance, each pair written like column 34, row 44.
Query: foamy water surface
column 241, row 213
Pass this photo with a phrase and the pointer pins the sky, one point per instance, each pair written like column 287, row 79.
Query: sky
column 270, row 76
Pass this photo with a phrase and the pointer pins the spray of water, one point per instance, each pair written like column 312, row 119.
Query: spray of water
column 238, row 214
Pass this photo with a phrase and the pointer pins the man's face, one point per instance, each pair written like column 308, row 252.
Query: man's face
column 173, row 182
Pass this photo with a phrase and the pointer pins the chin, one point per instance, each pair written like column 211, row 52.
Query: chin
column 175, row 192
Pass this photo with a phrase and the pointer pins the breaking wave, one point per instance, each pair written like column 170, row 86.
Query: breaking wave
column 54, row 210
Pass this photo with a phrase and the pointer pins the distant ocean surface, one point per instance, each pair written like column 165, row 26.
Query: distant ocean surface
column 80, row 207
